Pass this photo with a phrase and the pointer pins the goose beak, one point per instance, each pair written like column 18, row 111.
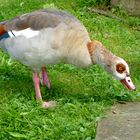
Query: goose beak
column 127, row 82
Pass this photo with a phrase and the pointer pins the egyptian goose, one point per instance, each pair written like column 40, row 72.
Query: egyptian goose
column 51, row 36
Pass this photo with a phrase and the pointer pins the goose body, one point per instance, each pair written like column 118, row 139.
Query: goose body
column 49, row 44
column 52, row 36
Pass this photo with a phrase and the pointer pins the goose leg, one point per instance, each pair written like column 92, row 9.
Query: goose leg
column 37, row 86
column 44, row 77
column 36, row 81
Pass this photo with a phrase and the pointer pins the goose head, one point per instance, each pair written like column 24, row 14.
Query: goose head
column 114, row 65
column 120, row 71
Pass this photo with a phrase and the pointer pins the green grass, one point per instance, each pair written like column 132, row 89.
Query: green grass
column 82, row 95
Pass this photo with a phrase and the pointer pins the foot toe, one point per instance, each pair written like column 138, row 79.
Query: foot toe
column 49, row 104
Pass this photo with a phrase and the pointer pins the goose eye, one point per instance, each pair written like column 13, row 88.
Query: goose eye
column 120, row 68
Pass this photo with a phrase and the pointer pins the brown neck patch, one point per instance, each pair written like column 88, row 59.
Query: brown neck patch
column 90, row 50
column 2, row 30
column 120, row 68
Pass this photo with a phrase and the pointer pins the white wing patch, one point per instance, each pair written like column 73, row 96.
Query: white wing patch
column 28, row 33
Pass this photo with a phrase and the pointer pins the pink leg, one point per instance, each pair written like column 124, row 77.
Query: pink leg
column 36, row 81
column 37, row 86
column 45, row 79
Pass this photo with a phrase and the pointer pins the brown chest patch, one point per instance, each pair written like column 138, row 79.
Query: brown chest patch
column 91, row 46
column 120, row 68
column 90, row 50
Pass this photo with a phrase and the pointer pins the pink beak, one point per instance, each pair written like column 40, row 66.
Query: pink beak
column 127, row 82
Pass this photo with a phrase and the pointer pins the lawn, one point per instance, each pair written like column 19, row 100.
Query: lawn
column 82, row 95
